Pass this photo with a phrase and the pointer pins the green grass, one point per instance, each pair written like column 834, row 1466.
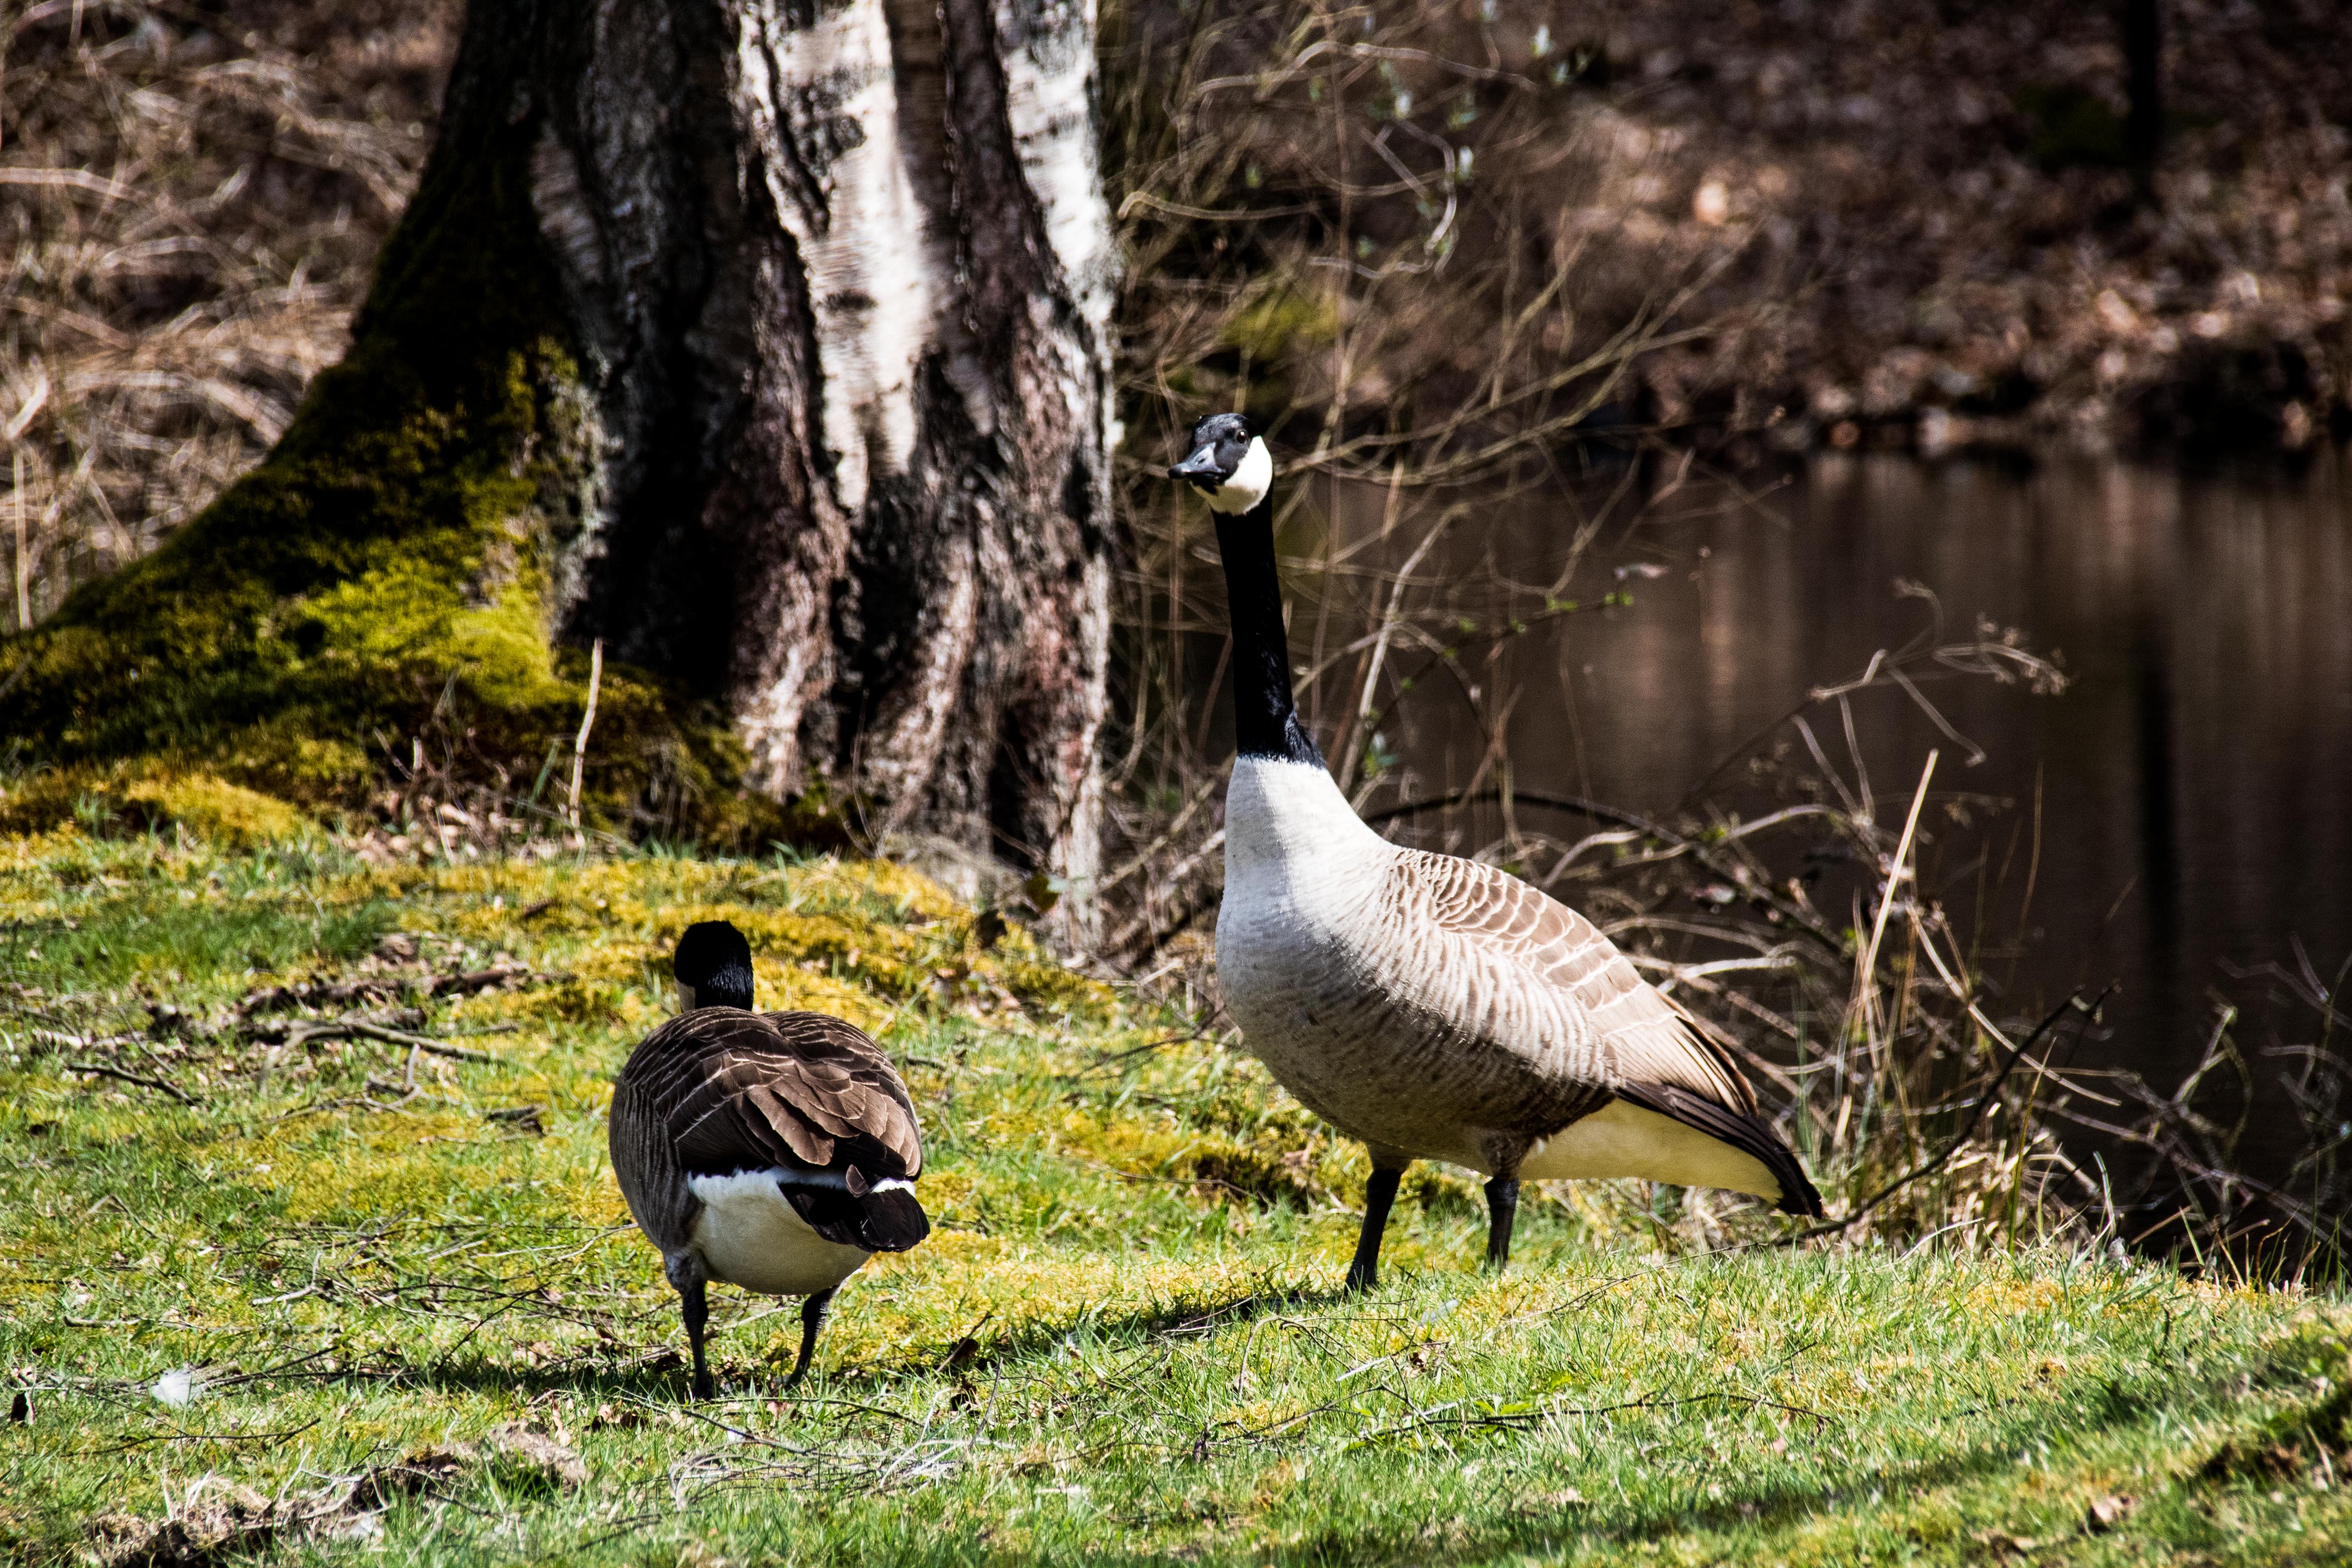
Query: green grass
column 120, row 940
column 1122, row 1342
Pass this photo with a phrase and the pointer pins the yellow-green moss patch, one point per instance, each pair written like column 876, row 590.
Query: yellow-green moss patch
column 141, row 797
column 378, row 588
column 1123, row 1341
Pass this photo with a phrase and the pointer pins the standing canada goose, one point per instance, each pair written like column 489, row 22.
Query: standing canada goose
column 1431, row 1007
column 773, row 1150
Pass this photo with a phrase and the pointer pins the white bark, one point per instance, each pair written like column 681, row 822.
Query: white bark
column 844, row 274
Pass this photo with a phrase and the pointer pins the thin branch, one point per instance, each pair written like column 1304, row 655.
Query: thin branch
column 587, row 722
column 301, row 1034
column 1976, row 1116
column 104, row 1071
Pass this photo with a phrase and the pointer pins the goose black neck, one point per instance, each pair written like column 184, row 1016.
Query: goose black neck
column 1266, row 717
column 729, row 987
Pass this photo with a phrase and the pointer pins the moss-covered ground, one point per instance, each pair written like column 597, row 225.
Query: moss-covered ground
column 277, row 1290
column 374, row 603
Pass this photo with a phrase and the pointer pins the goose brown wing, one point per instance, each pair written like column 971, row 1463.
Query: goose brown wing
column 1644, row 1050
column 736, row 1091
column 1638, row 1037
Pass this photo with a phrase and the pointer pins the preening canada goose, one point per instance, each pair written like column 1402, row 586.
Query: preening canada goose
column 1431, row 1007
column 773, row 1150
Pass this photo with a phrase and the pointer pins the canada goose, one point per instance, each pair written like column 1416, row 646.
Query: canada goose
column 773, row 1150
column 1431, row 1007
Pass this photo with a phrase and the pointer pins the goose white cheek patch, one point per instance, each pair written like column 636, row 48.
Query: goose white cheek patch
column 1251, row 481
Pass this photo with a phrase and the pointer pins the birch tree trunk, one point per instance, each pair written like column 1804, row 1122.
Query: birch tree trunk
column 765, row 340
column 838, row 274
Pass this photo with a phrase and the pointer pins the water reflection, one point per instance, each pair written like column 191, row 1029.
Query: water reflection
column 2194, row 783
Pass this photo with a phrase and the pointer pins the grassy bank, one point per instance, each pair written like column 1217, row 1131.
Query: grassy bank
column 414, row 1321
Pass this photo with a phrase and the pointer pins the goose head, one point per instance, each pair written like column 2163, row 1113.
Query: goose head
column 713, row 966
column 1229, row 464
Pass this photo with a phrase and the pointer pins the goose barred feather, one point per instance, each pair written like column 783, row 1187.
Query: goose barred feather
column 718, row 1090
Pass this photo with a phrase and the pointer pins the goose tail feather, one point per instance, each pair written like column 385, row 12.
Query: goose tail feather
column 891, row 1221
column 887, row 1220
column 1741, row 1131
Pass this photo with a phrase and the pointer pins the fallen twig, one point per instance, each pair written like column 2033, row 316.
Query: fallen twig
column 142, row 1081
column 197, row 1437
column 302, row 1034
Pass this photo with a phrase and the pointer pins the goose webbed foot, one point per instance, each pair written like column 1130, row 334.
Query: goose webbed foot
column 1502, row 1214
column 813, row 1315
column 1379, row 1193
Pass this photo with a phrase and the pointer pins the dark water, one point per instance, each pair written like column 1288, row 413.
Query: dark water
column 2194, row 779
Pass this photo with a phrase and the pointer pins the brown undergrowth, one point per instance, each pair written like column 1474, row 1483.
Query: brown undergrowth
column 194, row 199
column 1900, row 225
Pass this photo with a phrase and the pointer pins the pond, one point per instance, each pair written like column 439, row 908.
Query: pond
column 2179, row 815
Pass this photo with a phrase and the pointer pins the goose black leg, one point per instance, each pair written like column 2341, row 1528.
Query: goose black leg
column 697, row 1313
column 1502, row 1213
column 813, row 1316
column 1379, row 1194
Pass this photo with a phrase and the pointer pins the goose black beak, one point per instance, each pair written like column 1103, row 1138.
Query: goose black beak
column 1202, row 466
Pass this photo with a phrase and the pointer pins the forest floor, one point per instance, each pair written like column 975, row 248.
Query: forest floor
column 271, row 1284
column 1913, row 215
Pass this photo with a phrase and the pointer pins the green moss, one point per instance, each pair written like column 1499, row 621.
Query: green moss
column 382, row 579
column 1122, row 1342
column 1279, row 317
column 2307, row 1439
column 141, row 798
column 227, row 814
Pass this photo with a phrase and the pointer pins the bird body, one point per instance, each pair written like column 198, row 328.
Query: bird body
column 1431, row 1007
column 1439, row 1008
column 750, row 1234
column 776, row 1152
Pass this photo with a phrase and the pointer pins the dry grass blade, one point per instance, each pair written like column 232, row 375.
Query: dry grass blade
column 193, row 201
